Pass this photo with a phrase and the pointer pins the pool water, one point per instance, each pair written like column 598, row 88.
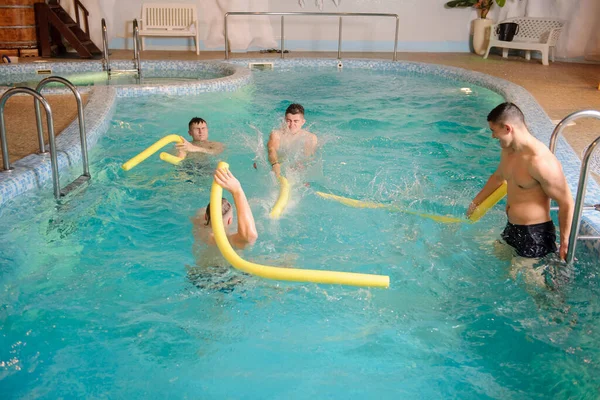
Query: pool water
column 101, row 78
column 96, row 299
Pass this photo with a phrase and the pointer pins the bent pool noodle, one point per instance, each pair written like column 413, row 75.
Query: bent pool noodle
column 151, row 150
column 488, row 203
column 284, row 197
column 170, row 158
column 277, row 273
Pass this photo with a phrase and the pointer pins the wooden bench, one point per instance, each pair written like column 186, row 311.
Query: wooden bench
column 171, row 20
column 538, row 34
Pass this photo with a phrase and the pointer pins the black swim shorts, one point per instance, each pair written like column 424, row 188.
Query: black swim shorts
column 532, row 241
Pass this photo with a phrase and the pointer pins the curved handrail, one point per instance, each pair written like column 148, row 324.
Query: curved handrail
column 136, row 47
column 106, row 60
column 314, row 14
column 80, row 115
column 583, row 175
column 53, row 157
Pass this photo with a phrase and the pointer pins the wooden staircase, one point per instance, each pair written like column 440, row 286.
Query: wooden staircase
column 54, row 23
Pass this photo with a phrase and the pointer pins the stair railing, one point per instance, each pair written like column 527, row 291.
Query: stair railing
column 86, row 14
column 583, row 177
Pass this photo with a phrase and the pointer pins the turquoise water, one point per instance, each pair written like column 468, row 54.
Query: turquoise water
column 117, row 78
column 96, row 301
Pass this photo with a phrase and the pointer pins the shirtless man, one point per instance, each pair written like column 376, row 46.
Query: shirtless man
column 246, row 231
column 533, row 176
column 291, row 139
column 211, row 270
column 198, row 130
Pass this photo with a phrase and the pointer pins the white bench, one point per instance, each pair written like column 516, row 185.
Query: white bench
column 169, row 19
column 538, row 34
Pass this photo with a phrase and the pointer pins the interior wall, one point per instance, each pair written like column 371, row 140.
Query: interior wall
column 425, row 25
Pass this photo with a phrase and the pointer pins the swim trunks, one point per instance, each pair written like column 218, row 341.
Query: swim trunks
column 214, row 278
column 532, row 241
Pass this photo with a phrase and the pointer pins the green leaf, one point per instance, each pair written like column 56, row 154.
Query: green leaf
column 501, row 3
column 461, row 3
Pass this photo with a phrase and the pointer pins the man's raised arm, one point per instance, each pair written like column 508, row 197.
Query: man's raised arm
column 246, row 234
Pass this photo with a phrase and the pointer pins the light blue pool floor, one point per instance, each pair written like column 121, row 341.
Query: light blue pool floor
column 97, row 302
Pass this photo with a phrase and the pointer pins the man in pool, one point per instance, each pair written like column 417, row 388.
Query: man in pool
column 211, row 265
column 291, row 142
column 533, row 176
column 198, row 130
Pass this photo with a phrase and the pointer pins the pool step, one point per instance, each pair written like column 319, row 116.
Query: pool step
column 260, row 65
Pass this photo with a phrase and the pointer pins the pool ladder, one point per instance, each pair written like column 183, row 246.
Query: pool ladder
column 136, row 51
column 583, row 177
column 38, row 98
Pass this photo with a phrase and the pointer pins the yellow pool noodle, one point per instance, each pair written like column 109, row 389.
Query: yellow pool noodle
column 170, row 158
column 368, row 204
column 151, row 150
column 284, row 197
column 488, row 203
column 277, row 273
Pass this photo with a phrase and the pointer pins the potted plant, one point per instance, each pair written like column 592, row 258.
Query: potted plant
column 481, row 26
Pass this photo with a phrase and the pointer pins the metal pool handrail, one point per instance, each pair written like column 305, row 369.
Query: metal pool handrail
column 53, row 157
column 315, row 14
column 105, row 59
column 136, row 47
column 583, row 177
column 40, row 86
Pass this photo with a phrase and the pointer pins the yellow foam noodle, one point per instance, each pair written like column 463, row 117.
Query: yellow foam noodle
column 368, row 204
column 151, row 150
column 277, row 273
column 488, row 203
column 170, row 158
column 284, row 197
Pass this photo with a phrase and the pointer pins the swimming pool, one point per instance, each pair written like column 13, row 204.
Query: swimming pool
column 157, row 76
column 97, row 302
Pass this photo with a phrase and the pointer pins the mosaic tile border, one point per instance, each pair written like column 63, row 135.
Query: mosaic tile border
column 31, row 172
column 233, row 77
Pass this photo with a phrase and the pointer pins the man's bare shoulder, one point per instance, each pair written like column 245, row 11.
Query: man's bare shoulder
column 544, row 164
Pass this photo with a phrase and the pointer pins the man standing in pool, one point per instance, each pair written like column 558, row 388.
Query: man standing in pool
column 291, row 142
column 198, row 130
column 533, row 176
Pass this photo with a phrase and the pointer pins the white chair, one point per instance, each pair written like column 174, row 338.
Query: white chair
column 169, row 19
column 538, row 34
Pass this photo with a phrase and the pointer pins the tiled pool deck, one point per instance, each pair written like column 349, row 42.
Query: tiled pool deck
column 33, row 171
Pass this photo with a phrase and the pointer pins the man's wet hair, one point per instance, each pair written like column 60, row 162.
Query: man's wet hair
column 196, row 120
column 295, row 109
column 225, row 208
column 506, row 112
